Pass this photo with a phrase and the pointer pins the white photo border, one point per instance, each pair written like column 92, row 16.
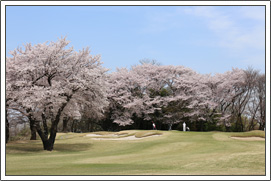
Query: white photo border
column 131, row 3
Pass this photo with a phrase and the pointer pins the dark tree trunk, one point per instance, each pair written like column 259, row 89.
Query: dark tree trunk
column 52, row 138
column 239, row 124
column 7, row 127
column 90, row 125
column 48, row 144
column 32, row 128
column 262, row 121
column 252, row 124
column 44, row 122
column 262, row 126
column 65, row 124
column 242, row 125
column 201, row 125
column 72, row 125
column 75, row 125
column 44, row 138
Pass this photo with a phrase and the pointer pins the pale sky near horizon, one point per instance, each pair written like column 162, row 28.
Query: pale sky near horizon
column 208, row 39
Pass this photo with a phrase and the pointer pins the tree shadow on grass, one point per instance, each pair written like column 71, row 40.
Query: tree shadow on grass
column 74, row 147
column 34, row 148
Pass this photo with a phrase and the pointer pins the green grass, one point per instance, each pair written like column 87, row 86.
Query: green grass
column 143, row 134
column 255, row 133
column 172, row 153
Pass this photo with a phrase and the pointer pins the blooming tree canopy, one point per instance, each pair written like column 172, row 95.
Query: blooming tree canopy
column 45, row 78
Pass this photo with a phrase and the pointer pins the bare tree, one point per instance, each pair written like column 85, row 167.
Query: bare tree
column 149, row 61
column 261, row 96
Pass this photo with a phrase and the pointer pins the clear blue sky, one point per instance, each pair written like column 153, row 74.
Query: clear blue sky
column 208, row 39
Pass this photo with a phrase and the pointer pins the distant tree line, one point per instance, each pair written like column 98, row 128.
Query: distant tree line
column 54, row 88
column 169, row 95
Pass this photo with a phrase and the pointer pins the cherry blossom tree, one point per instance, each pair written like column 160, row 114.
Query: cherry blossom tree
column 46, row 77
column 14, row 100
column 180, row 84
column 151, row 92
column 224, row 91
column 172, row 94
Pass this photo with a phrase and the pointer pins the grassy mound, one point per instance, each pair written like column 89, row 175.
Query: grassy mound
column 254, row 133
column 102, row 133
column 143, row 134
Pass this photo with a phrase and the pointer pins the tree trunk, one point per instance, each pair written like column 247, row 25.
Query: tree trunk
column 43, row 137
column 262, row 121
column 88, row 125
column 239, row 124
column 52, row 138
column 45, row 127
column 75, row 125
column 32, row 128
column 252, row 124
column 48, row 144
column 72, row 125
column 262, row 125
column 91, row 125
column 7, row 127
column 65, row 124
column 201, row 125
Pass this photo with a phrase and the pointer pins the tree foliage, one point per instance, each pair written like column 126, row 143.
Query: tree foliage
column 173, row 94
column 44, row 79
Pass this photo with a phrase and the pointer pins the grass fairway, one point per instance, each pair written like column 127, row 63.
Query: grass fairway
column 172, row 153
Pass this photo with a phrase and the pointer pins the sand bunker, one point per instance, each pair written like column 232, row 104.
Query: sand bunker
column 99, row 135
column 116, row 137
column 249, row 138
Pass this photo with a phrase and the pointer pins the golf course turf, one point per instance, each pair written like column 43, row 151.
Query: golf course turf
column 153, row 153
